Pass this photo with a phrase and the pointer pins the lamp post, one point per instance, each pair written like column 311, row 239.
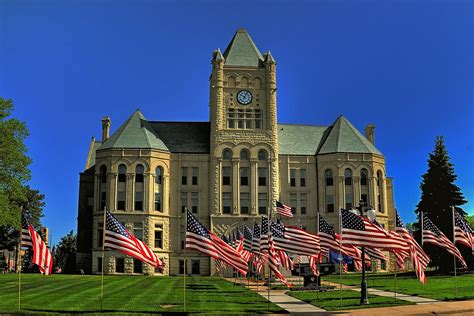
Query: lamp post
column 371, row 214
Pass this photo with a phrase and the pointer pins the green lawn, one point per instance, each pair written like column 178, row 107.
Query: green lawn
column 331, row 300
column 437, row 287
column 138, row 294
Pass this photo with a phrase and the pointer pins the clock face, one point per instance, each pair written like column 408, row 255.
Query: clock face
column 244, row 97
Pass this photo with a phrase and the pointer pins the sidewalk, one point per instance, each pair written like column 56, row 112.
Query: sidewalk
column 401, row 296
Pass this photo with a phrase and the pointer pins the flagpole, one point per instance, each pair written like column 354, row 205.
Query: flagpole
column 340, row 256
column 270, row 177
column 103, row 261
column 19, row 265
column 185, row 259
column 396, row 269
column 454, row 257
column 421, row 218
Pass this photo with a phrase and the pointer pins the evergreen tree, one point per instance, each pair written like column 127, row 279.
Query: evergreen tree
column 65, row 252
column 438, row 195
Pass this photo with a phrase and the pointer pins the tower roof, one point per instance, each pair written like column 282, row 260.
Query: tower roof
column 242, row 51
column 343, row 137
column 136, row 132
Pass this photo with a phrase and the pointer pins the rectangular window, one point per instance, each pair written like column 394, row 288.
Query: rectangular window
column 230, row 118
column 348, row 180
column 330, row 203
column 226, row 202
column 293, row 177
column 184, row 175
column 363, row 181
column 195, row 267
column 302, row 177
column 137, row 266
column 379, row 203
column 293, row 202
column 262, row 203
column 258, row 119
column 240, row 119
column 262, row 176
column 158, row 236
column 157, row 201
column 303, row 203
column 139, row 200
column 248, row 119
column 184, row 201
column 244, row 203
column 244, row 176
column 103, row 198
column 194, row 179
column 119, row 265
column 138, row 230
column 99, row 264
column 329, row 182
column 100, row 234
column 181, row 267
column 121, row 188
column 364, row 199
column 194, row 202
column 226, row 172
column 182, row 237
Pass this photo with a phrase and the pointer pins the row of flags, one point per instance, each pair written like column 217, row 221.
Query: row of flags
column 282, row 246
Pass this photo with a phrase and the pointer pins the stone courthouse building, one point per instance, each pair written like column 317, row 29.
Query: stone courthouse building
column 227, row 172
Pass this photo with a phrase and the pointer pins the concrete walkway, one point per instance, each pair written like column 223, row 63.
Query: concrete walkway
column 278, row 297
column 401, row 296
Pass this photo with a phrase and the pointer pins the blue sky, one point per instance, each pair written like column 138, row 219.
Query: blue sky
column 406, row 66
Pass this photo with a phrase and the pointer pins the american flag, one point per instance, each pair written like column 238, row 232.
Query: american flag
column 327, row 235
column 375, row 254
column 264, row 236
column 432, row 235
column 313, row 260
column 283, row 210
column 285, row 259
column 200, row 239
column 41, row 254
column 419, row 258
column 359, row 231
column 117, row 237
column 295, row 240
column 247, row 238
column 220, row 266
column 274, row 262
column 256, row 239
column 463, row 233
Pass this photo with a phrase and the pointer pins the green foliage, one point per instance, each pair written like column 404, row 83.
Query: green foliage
column 14, row 164
column 64, row 253
column 331, row 301
column 438, row 195
column 139, row 294
column 470, row 220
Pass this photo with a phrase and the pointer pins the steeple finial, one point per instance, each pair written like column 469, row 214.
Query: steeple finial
column 217, row 56
column 269, row 58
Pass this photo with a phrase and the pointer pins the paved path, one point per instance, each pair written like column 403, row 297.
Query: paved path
column 401, row 296
column 278, row 297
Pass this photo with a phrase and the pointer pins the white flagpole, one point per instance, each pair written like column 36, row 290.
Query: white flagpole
column 422, row 227
column 103, row 261
column 19, row 265
column 340, row 255
column 185, row 259
column 454, row 257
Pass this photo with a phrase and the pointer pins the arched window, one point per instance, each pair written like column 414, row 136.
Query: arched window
column 262, row 155
column 139, row 187
column 348, row 196
column 380, row 191
column 227, row 154
column 103, row 187
column 329, row 191
column 158, row 188
column 363, row 177
column 121, row 187
column 244, row 154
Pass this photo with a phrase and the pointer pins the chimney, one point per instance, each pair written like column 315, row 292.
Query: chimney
column 370, row 133
column 105, row 128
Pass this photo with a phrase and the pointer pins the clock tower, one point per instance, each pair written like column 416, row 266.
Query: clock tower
column 244, row 135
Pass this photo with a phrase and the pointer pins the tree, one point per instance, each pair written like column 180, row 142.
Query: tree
column 470, row 220
column 64, row 253
column 438, row 195
column 14, row 164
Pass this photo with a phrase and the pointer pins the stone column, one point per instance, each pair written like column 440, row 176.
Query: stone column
column 219, row 186
column 340, row 198
column 130, row 194
column 97, row 193
column 112, row 191
column 383, row 195
column 147, row 185
column 356, row 185
column 165, row 205
column 253, row 186
column 235, row 186
column 371, row 186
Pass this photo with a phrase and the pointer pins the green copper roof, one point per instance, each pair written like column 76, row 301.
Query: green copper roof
column 299, row 139
column 242, row 51
column 136, row 132
column 345, row 138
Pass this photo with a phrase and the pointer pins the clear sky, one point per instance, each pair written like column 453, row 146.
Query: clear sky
column 406, row 66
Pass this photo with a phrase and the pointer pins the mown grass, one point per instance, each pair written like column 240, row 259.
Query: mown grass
column 331, row 300
column 134, row 294
column 437, row 287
